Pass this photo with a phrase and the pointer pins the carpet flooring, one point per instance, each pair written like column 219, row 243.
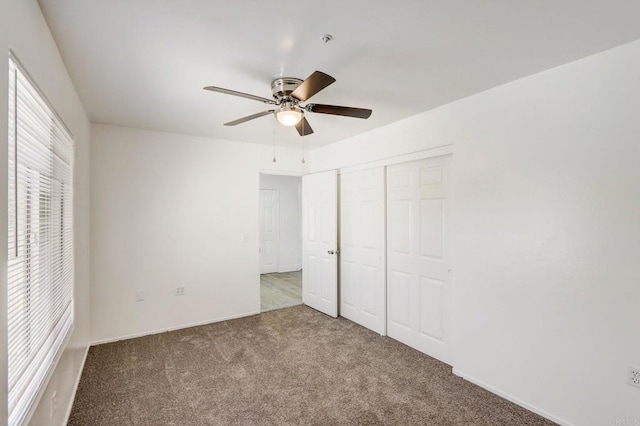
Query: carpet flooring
column 280, row 290
column 292, row 366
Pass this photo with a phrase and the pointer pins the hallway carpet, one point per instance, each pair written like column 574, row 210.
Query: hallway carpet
column 292, row 366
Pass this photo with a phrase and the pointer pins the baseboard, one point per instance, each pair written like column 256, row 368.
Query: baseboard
column 511, row 398
column 289, row 268
column 178, row 327
column 75, row 387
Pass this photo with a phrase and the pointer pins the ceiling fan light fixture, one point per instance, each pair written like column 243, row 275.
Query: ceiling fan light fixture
column 289, row 93
column 288, row 116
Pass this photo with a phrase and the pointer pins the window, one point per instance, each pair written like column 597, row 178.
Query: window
column 40, row 240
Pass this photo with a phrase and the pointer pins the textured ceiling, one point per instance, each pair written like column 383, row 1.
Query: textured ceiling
column 143, row 63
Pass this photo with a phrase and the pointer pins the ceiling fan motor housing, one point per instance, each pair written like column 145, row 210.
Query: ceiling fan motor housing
column 282, row 87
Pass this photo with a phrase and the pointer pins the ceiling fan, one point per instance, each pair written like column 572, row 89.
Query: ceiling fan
column 288, row 95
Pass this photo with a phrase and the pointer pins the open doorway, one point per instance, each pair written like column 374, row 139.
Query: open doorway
column 280, row 221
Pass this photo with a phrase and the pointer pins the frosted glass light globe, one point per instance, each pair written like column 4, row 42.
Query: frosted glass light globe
column 289, row 117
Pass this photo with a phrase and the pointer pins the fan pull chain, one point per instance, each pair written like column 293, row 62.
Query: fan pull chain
column 303, row 132
column 274, row 144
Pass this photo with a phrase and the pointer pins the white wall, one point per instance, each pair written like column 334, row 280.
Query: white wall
column 170, row 210
column 290, row 238
column 546, row 232
column 23, row 29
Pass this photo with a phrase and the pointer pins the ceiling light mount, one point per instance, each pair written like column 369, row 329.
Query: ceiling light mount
column 283, row 87
column 327, row 38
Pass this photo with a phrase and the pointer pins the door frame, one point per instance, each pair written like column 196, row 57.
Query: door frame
column 403, row 158
column 256, row 247
column 259, row 174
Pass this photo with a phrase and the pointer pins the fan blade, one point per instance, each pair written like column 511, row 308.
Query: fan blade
column 240, row 94
column 339, row 110
column 312, row 85
column 249, row 117
column 303, row 127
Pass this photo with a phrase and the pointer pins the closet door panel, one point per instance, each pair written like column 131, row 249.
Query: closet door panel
column 419, row 255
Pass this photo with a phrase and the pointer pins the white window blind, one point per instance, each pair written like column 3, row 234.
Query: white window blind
column 40, row 242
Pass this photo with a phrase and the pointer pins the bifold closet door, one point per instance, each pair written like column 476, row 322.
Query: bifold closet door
column 419, row 255
column 362, row 248
column 320, row 242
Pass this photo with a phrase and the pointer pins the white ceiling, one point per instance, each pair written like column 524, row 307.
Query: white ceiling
column 143, row 63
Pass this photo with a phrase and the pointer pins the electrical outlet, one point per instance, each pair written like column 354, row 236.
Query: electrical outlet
column 139, row 295
column 634, row 377
column 180, row 291
column 54, row 404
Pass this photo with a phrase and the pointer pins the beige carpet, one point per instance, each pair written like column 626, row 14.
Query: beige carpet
column 292, row 366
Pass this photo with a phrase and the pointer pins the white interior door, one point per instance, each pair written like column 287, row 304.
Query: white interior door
column 319, row 242
column 269, row 230
column 419, row 255
column 362, row 248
